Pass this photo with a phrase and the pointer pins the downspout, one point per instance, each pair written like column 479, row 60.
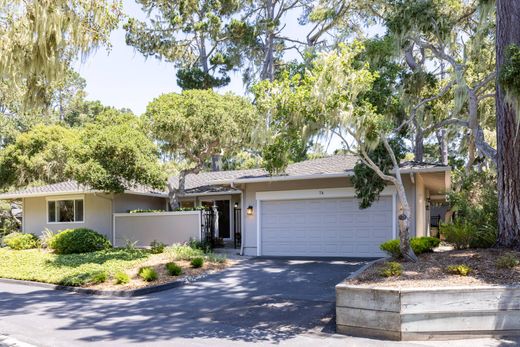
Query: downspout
column 242, row 219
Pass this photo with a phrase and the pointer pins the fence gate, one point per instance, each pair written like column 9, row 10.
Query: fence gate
column 237, row 236
column 208, row 227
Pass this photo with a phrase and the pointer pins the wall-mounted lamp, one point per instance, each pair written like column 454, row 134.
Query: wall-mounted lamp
column 250, row 210
column 236, row 204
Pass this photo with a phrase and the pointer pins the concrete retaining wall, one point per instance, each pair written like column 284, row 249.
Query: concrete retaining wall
column 423, row 314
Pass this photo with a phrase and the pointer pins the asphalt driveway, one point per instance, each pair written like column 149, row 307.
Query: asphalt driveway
column 259, row 300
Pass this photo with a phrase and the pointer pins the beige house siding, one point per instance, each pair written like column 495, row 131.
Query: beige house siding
column 98, row 215
column 250, row 222
column 127, row 202
column 420, row 207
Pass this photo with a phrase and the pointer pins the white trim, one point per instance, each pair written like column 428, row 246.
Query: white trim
column 281, row 178
column 113, row 229
column 258, row 228
column 148, row 214
column 23, row 215
column 210, row 193
column 242, row 223
column 72, row 198
column 425, row 169
column 66, row 197
column 200, row 225
column 315, row 193
column 394, row 215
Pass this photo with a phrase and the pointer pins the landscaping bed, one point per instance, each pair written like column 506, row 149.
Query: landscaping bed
column 432, row 270
column 98, row 270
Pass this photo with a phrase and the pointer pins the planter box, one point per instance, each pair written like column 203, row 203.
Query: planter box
column 427, row 313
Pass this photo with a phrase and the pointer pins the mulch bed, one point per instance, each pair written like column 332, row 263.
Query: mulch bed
column 430, row 270
column 158, row 263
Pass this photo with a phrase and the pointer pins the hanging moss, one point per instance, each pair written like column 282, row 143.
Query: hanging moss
column 509, row 77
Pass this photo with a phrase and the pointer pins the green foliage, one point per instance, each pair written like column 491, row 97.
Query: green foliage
column 197, row 262
column 148, row 274
column 99, row 277
column 460, row 233
column 146, row 211
column 20, row 241
column 40, row 40
column 40, row 155
column 80, row 240
column 367, row 183
column 157, row 247
column 419, row 245
column 192, row 35
column 35, row 265
column 184, row 252
column 173, row 269
column 391, row 269
column 507, row 261
column 461, row 270
column 46, row 237
column 114, row 154
column 474, row 200
column 122, row 277
column 216, row 258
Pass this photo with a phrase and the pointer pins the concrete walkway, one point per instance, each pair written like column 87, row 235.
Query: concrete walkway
column 257, row 302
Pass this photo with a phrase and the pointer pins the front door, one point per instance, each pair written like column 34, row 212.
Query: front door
column 223, row 216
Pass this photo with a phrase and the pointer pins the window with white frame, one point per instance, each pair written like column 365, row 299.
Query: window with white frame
column 65, row 211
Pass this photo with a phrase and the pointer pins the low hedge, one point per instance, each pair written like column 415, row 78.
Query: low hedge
column 19, row 241
column 419, row 245
column 80, row 240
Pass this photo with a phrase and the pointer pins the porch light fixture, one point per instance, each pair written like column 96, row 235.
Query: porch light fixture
column 236, row 204
column 250, row 210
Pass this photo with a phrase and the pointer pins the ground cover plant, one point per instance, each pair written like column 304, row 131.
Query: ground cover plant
column 19, row 241
column 107, row 269
column 419, row 245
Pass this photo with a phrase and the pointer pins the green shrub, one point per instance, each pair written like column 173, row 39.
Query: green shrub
column 419, row 245
column 184, row 252
column 46, row 237
column 462, row 269
column 19, row 241
column 122, row 278
column 148, row 274
column 216, row 258
column 79, row 240
column 146, row 211
column 474, row 200
column 391, row 269
column 459, row 234
column 81, row 279
column 507, row 261
column 197, row 262
column 201, row 245
column 98, row 277
column 173, row 269
column 157, row 247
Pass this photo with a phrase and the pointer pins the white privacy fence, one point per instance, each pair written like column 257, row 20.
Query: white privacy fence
column 166, row 227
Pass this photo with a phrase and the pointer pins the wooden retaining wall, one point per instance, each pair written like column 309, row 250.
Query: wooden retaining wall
column 422, row 314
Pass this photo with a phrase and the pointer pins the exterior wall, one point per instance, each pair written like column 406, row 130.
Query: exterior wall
column 166, row 227
column 420, row 207
column 250, row 222
column 98, row 215
column 127, row 202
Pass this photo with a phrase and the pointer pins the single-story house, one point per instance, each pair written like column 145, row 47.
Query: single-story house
column 310, row 210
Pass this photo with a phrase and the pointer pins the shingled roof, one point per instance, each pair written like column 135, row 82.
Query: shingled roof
column 72, row 187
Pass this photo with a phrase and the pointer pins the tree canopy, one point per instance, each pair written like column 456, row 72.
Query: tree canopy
column 198, row 124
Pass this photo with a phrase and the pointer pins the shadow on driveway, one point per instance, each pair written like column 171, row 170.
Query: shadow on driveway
column 258, row 300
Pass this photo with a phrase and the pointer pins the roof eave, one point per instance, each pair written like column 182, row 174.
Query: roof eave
column 282, row 178
column 13, row 196
column 425, row 170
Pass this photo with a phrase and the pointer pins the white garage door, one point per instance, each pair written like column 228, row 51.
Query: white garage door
column 325, row 227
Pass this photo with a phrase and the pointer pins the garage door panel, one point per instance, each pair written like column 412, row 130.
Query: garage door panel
column 325, row 227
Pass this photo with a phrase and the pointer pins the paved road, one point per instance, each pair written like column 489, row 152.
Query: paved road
column 260, row 301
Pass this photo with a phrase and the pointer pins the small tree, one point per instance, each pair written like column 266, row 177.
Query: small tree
column 110, row 155
column 198, row 124
column 330, row 97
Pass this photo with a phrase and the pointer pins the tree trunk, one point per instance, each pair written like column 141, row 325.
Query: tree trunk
column 419, row 143
column 443, row 145
column 268, row 65
column 175, row 193
column 508, row 141
column 473, row 125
